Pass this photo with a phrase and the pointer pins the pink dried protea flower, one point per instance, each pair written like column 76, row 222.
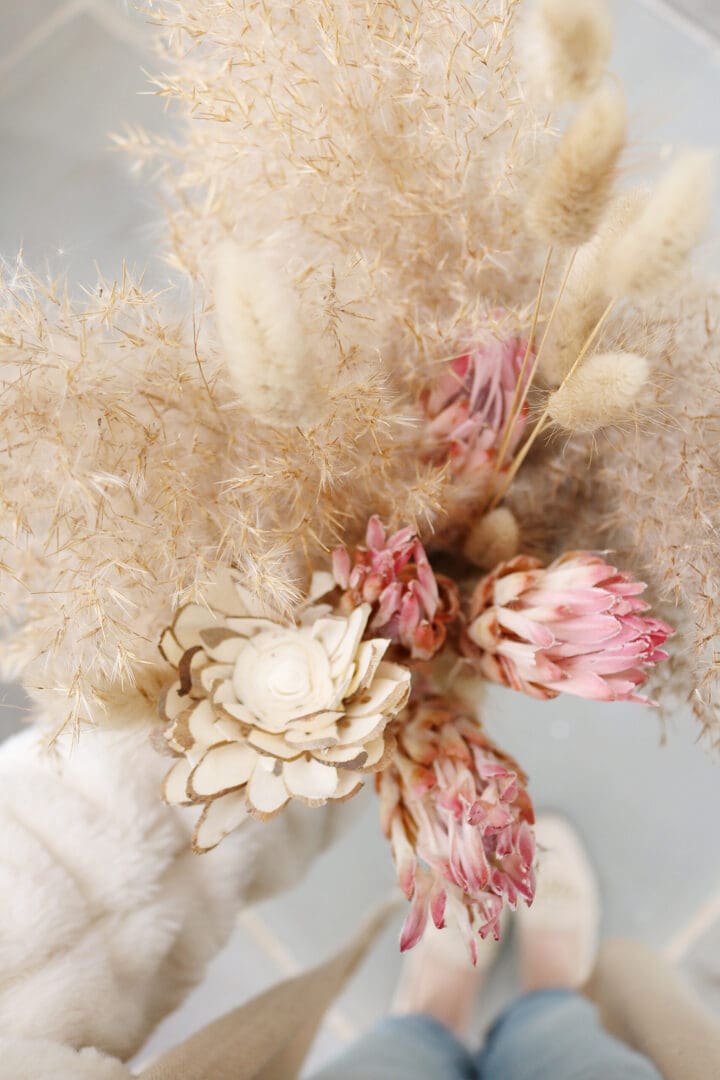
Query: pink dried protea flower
column 411, row 605
column 458, row 817
column 576, row 626
column 468, row 408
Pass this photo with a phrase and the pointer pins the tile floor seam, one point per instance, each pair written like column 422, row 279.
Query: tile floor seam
column 116, row 25
column 684, row 22
column 37, row 37
column 137, row 34
column 683, row 940
column 270, row 944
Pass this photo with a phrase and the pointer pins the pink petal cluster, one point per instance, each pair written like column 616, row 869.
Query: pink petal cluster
column 411, row 605
column 458, row 817
column 576, row 626
column 467, row 408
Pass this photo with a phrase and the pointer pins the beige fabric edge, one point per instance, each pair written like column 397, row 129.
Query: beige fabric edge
column 643, row 1001
column 268, row 1038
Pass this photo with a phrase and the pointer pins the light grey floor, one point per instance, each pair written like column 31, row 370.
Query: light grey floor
column 70, row 73
column 704, row 15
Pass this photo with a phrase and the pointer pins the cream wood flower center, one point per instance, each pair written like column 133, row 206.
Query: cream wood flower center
column 280, row 676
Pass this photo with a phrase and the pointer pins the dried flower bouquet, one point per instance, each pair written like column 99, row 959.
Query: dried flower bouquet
column 432, row 362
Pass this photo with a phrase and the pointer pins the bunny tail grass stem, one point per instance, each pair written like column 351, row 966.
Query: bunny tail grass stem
column 553, row 313
column 517, row 404
column 526, row 381
column 541, row 424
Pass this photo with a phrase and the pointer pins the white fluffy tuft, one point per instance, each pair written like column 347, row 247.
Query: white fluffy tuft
column 109, row 919
column 39, row 1059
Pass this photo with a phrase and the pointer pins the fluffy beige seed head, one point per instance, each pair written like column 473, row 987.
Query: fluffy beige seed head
column 568, row 47
column 574, row 187
column 603, row 391
column 258, row 324
column 493, row 539
column 646, row 259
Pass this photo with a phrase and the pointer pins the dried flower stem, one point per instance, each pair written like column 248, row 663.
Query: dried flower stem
column 526, row 382
column 519, row 394
column 553, row 313
column 541, row 424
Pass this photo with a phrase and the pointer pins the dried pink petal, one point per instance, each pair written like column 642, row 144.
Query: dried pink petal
column 411, row 604
column 468, row 408
column 576, row 626
column 457, row 814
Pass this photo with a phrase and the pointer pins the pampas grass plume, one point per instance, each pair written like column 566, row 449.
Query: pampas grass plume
column 603, row 391
column 573, row 189
column 258, row 324
column 647, row 257
column 493, row 539
column 569, row 44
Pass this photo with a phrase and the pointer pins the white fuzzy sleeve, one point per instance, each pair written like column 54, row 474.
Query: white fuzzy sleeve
column 38, row 1059
column 108, row 918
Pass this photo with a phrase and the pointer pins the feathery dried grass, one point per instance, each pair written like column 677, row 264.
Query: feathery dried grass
column 374, row 154
column 650, row 493
column 132, row 469
column 380, row 154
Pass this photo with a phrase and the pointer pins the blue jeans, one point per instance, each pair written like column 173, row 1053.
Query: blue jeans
column 545, row 1035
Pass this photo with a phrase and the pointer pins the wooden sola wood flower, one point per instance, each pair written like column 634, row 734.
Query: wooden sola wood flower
column 458, row 816
column 265, row 710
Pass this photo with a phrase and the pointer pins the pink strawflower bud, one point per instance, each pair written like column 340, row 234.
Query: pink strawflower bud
column 411, row 605
column 468, row 408
column 458, row 817
column 576, row 626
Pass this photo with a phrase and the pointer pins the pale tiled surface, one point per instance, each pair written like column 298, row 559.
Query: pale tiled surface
column 14, row 709
column 703, row 13
column 647, row 811
column 242, row 970
column 70, row 73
